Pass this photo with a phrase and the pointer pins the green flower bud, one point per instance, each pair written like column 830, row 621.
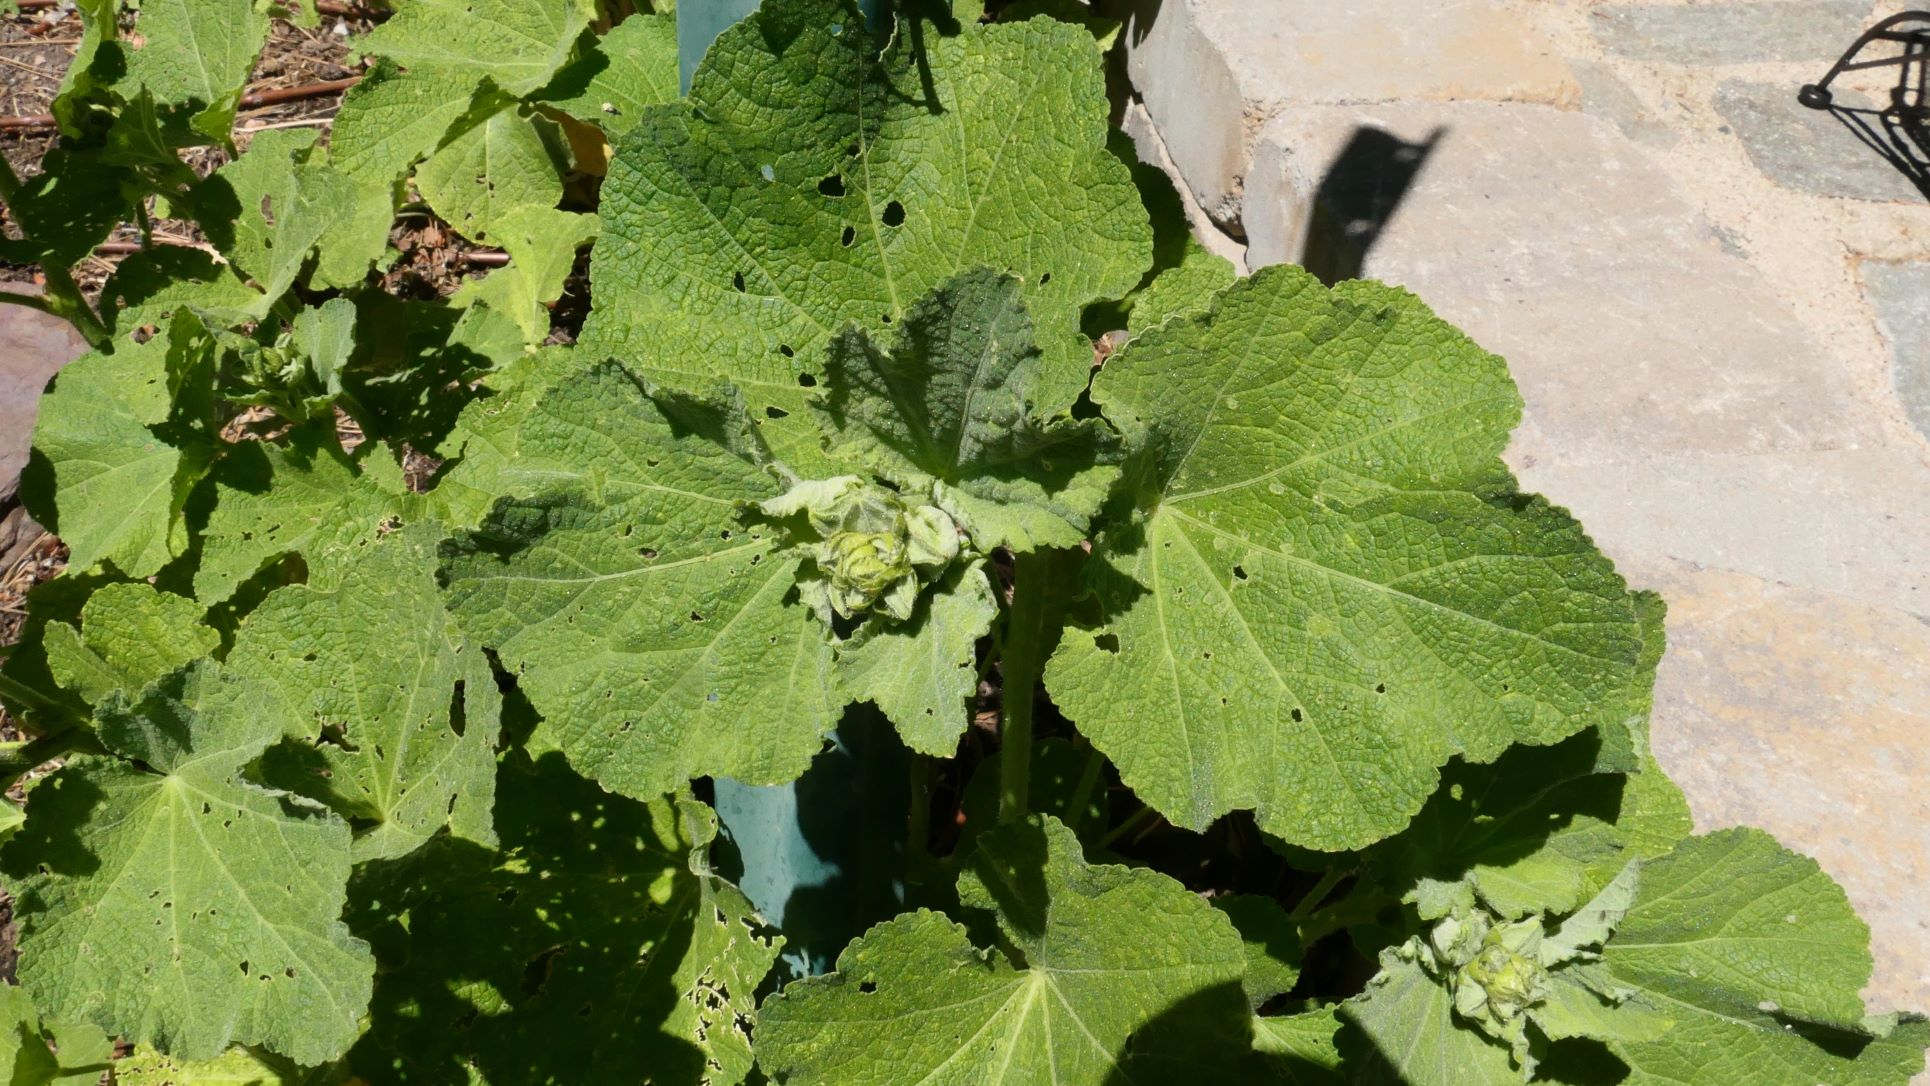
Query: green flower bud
column 873, row 552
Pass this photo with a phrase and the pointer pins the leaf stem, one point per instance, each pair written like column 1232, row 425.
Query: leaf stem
column 66, row 302
column 1023, row 660
column 918, row 819
column 1082, row 792
column 1345, row 913
column 62, row 297
column 1319, row 892
column 17, row 762
column 1133, row 822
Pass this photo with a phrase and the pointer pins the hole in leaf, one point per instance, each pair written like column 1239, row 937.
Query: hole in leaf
column 832, row 186
column 648, row 553
column 695, row 617
column 1380, row 688
column 868, row 987
column 1046, row 278
column 785, row 350
column 776, row 412
column 737, row 282
column 1107, row 643
column 848, row 237
column 1296, row 714
column 894, row 214
column 1240, row 572
column 807, row 380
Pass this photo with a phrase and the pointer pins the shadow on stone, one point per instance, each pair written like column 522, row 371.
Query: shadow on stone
column 1900, row 132
column 1357, row 197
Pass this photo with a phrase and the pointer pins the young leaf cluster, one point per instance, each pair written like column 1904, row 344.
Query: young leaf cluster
column 402, row 652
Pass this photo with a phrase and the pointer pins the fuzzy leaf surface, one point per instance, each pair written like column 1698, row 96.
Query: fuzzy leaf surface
column 517, row 44
column 808, row 182
column 119, row 483
column 196, row 54
column 1105, row 953
column 1299, row 1049
column 1402, row 1031
column 1739, row 940
column 171, row 902
column 542, row 244
column 494, row 169
column 131, row 634
column 656, row 633
column 923, row 674
column 303, row 497
column 407, row 735
column 953, row 406
column 631, row 67
column 1326, row 585
column 594, row 947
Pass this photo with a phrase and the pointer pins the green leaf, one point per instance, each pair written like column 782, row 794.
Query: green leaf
column 633, row 66
column 34, row 1052
column 808, row 182
column 267, row 210
column 71, row 205
column 1185, row 289
column 1272, row 942
column 1299, row 1048
column 952, row 408
column 1402, row 1031
column 1537, row 831
column 194, row 57
column 147, row 287
column 1099, row 954
column 236, row 1067
column 119, row 483
column 1757, row 955
column 171, row 902
column 518, row 44
column 403, row 738
column 923, row 673
column 542, row 244
column 390, row 120
column 655, row 631
column 504, row 164
column 304, row 497
column 131, row 634
column 1326, row 586
column 596, row 947
column 486, row 442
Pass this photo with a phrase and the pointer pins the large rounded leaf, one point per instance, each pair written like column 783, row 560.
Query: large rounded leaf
column 1326, row 585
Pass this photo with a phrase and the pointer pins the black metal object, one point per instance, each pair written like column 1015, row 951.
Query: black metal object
column 1900, row 132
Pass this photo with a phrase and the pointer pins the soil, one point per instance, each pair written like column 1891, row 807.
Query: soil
column 36, row 48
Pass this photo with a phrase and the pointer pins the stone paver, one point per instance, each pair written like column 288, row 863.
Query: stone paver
column 32, row 347
column 1196, row 58
column 1715, row 307
column 1900, row 294
column 1549, row 239
column 1804, row 714
column 1809, row 150
column 1735, row 33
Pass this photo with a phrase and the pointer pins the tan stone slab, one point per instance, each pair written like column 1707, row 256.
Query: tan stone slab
column 1854, row 523
column 1554, row 241
column 1210, row 71
column 1805, row 714
column 33, row 346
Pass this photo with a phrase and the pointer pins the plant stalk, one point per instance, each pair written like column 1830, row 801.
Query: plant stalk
column 1133, row 822
column 1024, row 659
column 62, row 298
column 1319, row 893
